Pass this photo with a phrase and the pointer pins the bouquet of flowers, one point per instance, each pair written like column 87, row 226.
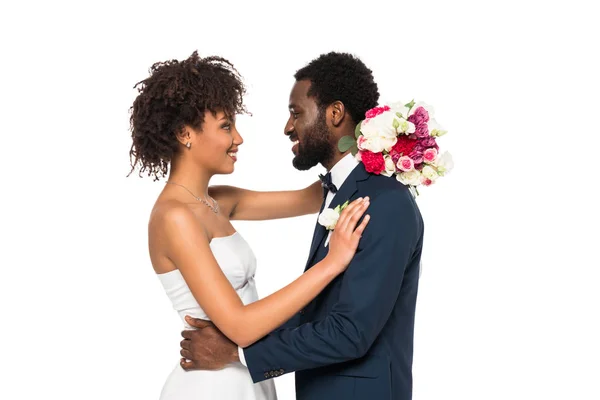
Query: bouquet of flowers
column 400, row 139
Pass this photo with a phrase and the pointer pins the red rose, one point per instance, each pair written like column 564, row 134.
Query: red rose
column 374, row 162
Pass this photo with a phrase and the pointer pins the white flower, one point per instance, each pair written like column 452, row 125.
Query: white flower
column 444, row 163
column 379, row 132
column 405, row 126
column 381, row 125
column 430, row 173
column 378, row 144
column 412, row 178
column 395, row 118
column 390, row 168
column 435, row 129
column 329, row 218
column 399, row 107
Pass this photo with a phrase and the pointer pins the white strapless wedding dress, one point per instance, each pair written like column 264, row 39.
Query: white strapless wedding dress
column 238, row 263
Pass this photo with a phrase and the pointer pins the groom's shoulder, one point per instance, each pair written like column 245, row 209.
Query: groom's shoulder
column 379, row 185
column 387, row 194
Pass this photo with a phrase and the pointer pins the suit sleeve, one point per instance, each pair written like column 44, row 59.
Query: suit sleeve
column 369, row 289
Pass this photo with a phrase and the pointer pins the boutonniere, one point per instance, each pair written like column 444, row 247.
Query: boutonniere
column 329, row 217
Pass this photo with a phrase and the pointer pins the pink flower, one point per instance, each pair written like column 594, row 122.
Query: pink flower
column 430, row 155
column 373, row 112
column 419, row 148
column 422, row 130
column 428, row 141
column 417, row 156
column 426, row 181
column 405, row 164
column 419, row 117
column 359, row 142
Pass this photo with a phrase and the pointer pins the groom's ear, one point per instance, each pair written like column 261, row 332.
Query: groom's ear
column 337, row 112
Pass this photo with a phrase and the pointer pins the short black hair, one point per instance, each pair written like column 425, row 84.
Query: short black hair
column 178, row 93
column 341, row 77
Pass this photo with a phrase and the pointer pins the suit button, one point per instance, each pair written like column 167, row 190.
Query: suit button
column 266, row 374
column 281, row 371
column 272, row 373
column 301, row 312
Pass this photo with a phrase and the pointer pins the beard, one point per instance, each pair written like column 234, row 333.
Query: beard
column 315, row 147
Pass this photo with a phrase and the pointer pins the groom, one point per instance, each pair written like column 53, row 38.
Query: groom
column 355, row 340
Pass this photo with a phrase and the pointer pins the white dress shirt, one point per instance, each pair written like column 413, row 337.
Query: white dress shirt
column 340, row 171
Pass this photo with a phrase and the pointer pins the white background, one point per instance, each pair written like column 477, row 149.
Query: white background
column 508, row 297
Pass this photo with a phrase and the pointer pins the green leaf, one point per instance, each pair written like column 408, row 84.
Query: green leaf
column 354, row 149
column 346, row 143
column 357, row 130
column 411, row 104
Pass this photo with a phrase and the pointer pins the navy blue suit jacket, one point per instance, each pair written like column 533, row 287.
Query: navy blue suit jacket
column 355, row 340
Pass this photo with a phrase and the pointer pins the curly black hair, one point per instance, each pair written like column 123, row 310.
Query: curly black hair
column 176, row 94
column 341, row 77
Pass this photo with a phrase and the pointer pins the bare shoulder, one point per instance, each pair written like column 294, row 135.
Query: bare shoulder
column 172, row 224
column 169, row 215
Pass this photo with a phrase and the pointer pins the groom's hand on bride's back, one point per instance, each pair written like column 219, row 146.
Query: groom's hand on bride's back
column 206, row 347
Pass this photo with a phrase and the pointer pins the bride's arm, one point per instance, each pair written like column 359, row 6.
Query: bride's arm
column 243, row 204
column 188, row 248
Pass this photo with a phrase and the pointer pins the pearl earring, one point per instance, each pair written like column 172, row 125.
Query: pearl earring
column 188, row 145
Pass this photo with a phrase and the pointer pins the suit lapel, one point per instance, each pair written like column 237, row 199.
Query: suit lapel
column 317, row 235
column 346, row 192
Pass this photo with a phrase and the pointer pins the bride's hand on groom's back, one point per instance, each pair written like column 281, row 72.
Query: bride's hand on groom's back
column 346, row 235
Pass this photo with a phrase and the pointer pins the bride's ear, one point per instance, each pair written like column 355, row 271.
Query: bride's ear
column 336, row 113
column 184, row 136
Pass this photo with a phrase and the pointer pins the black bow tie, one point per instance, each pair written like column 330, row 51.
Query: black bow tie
column 326, row 182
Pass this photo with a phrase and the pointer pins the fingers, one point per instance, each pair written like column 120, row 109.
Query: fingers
column 356, row 215
column 361, row 228
column 197, row 323
column 349, row 223
column 185, row 364
column 187, row 334
column 186, row 354
column 185, row 344
column 341, row 223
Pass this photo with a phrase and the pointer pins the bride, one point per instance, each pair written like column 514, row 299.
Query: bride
column 183, row 127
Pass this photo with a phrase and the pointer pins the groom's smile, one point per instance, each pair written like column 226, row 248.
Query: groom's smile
column 306, row 128
column 295, row 143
